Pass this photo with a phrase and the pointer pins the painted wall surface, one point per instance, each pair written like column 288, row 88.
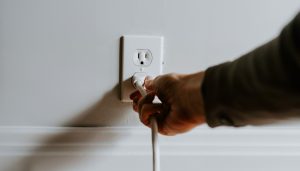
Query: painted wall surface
column 59, row 66
column 59, row 59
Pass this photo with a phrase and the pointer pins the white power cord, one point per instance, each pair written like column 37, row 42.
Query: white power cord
column 138, row 82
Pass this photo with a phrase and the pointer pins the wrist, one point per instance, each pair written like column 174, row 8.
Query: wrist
column 191, row 86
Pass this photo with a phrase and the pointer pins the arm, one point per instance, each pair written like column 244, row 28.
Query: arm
column 259, row 87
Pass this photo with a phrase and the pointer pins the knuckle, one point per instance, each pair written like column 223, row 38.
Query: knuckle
column 165, row 130
column 170, row 80
column 174, row 76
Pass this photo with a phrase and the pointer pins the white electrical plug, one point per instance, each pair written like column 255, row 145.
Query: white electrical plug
column 138, row 78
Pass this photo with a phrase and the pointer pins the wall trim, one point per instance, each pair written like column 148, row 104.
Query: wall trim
column 136, row 141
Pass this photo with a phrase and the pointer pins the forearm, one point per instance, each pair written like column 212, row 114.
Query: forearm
column 261, row 85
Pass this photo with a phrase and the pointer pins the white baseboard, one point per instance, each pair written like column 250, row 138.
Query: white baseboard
column 136, row 141
column 113, row 149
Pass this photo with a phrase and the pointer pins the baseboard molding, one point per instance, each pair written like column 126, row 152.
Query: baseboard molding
column 136, row 141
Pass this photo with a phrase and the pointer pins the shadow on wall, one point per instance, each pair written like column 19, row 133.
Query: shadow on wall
column 69, row 142
column 109, row 110
column 106, row 112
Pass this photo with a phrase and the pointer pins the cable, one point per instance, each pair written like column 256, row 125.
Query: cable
column 138, row 81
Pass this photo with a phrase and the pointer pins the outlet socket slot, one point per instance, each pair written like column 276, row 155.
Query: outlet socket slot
column 142, row 57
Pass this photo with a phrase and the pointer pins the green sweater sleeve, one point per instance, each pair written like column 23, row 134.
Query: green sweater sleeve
column 259, row 87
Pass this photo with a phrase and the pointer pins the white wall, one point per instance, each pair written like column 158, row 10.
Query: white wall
column 59, row 66
column 60, row 58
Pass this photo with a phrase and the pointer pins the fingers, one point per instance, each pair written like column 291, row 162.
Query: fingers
column 135, row 94
column 148, row 110
column 135, row 97
column 165, row 86
column 173, row 125
column 144, row 106
column 166, row 127
column 167, row 124
column 148, row 99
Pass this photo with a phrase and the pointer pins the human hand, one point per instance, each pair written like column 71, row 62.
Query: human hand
column 182, row 105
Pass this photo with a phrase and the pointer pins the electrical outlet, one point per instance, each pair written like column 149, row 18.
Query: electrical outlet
column 142, row 55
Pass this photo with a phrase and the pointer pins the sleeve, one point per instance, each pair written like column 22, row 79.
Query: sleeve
column 260, row 87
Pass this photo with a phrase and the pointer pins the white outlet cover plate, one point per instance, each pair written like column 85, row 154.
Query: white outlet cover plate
column 130, row 44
